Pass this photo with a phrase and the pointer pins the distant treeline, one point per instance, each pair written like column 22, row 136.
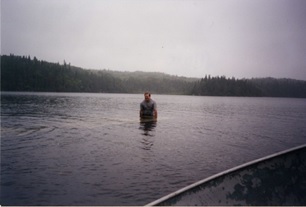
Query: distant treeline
column 22, row 73
column 222, row 86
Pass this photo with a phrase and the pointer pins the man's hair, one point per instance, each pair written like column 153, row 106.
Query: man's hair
column 147, row 93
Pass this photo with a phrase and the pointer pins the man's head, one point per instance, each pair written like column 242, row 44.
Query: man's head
column 147, row 96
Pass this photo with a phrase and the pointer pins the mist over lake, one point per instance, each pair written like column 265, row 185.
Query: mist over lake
column 92, row 149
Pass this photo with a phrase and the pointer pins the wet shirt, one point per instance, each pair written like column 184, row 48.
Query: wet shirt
column 148, row 107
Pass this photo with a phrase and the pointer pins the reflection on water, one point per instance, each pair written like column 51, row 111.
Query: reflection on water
column 147, row 127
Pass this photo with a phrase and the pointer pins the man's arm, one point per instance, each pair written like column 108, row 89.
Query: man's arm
column 155, row 110
column 155, row 113
column 141, row 111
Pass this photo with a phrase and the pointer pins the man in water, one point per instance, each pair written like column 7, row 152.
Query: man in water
column 148, row 107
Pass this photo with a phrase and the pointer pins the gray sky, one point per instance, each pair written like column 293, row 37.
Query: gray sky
column 192, row 38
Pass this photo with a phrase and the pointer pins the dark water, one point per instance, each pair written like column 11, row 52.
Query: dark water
column 91, row 149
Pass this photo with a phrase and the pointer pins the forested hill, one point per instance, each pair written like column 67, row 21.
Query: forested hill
column 27, row 74
column 21, row 73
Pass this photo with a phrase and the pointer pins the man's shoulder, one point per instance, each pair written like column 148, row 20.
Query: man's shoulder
column 153, row 103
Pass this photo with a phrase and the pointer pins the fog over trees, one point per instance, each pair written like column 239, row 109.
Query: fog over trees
column 23, row 73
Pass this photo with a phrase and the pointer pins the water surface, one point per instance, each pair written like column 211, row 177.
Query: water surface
column 92, row 149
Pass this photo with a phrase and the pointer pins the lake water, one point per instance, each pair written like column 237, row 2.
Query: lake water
column 91, row 149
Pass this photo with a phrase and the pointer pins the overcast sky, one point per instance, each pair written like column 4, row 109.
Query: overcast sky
column 192, row 38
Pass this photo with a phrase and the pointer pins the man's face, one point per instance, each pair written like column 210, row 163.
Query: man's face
column 147, row 97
